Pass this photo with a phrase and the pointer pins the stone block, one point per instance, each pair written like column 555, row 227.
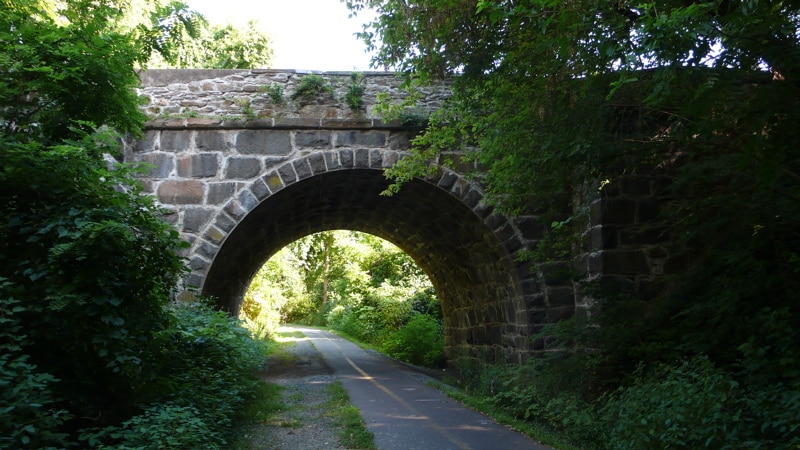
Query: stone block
column 181, row 192
column 224, row 223
column 212, row 140
column 287, row 174
column 175, row 141
column 375, row 159
column 346, row 158
column 513, row 245
column 447, row 180
column 242, row 168
column 163, row 164
column 195, row 280
column 530, row 227
column 198, row 264
column 400, row 141
column 302, row 168
column 313, row 139
column 235, row 210
column 148, row 142
column 332, row 160
column 260, row 142
column 219, row 193
column 273, row 181
column 202, row 165
column 361, row 159
column 207, row 250
column 260, row 189
column 317, row 163
column 195, row 219
column 248, row 200
column 214, row 235
column 361, row 139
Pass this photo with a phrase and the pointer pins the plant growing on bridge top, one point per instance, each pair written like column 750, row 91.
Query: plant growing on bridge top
column 354, row 97
column 246, row 104
column 274, row 91
column 310, row 87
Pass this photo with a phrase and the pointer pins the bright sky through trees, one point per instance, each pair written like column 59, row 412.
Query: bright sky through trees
column 306, row 34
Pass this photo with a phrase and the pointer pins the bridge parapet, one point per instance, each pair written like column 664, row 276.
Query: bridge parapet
column 273, row 94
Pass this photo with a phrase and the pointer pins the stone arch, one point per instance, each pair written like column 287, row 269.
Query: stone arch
column 441, row 222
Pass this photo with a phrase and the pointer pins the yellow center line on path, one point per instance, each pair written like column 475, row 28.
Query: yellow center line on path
column 435, row 426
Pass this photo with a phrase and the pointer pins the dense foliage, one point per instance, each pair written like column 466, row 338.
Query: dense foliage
column 555, row 98
column 91, row 352
column 184, row 39
column 355, row 283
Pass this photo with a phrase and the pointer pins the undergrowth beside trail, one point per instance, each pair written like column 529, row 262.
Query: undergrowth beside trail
column 353, row 431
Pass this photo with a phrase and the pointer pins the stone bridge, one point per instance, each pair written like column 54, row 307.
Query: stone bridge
column 247, row 167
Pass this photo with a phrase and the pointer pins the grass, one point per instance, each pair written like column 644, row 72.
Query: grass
column 530, row 429
column 353, row 431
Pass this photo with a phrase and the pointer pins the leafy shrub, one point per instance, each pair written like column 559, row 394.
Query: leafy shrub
column 164, row 427
column 354, row 97
column 29, row 413
column 207, row 364
column 275, row 93
column 693, row 405
column 420, row 341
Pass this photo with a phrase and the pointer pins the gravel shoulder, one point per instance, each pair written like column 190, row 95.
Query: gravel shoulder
column 302, row 424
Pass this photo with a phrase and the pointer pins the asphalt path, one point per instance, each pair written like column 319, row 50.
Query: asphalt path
column 402, row 411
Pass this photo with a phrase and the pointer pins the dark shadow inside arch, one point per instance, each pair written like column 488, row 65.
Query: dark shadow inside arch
column 473, row 276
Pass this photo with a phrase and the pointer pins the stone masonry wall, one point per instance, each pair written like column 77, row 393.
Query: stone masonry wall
column 225, row 157
column 236, row 94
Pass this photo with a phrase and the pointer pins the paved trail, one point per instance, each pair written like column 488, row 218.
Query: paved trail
column 404, row 413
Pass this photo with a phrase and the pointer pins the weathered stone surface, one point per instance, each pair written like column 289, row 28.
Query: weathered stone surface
column 313, row 139
column 260, row 189
column 220, row 193
column 212, row 140
column 164, row 164
column 273, row 181
column 361, row 139
column 261, row 142
column 176, row 141
column 181, row 192
column 346, row 158
column 195, row 219
column 202, row 165
column 241, row 168
column 362, row 159
column 375, row 159
column 316, row 161
column 148, row 143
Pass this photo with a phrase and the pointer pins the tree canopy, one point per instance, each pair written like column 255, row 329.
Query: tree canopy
column 554, row 99
column 91, row 353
